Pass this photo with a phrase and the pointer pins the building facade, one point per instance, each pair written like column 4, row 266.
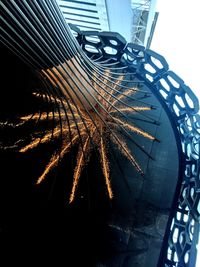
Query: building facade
column 135, row 20
column 88, row 15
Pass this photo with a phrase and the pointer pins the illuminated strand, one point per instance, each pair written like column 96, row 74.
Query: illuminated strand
column 77, row 171
column 135, row 129
column 105, row 167
column 123, row 148
column 55, row 158
column 121, row 97
column 127, row 109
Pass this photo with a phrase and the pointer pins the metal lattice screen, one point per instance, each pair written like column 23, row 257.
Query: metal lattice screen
column 182, row 107
column 177, row 99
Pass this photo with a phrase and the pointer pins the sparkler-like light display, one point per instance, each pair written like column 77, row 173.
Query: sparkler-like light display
column 89, row 130
column 89, row 97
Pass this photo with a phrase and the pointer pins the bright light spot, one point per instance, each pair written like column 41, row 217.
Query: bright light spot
column 176, row 38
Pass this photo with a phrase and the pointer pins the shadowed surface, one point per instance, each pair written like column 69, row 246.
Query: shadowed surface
column 123, row 233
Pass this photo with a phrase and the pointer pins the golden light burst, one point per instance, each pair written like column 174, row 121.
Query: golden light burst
column 89, row 96
column 89, row 129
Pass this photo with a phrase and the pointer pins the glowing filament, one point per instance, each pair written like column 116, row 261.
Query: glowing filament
column 105, row 168
column 135, row 129
column 77, row 171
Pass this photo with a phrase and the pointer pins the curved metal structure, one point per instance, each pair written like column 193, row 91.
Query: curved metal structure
column 182, row 107
column 36, row 32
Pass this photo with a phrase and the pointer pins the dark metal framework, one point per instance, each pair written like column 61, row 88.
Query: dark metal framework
column 181, row 105
column 178, row 100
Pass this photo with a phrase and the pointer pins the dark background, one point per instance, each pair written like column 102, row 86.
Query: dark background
column 36, row 222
